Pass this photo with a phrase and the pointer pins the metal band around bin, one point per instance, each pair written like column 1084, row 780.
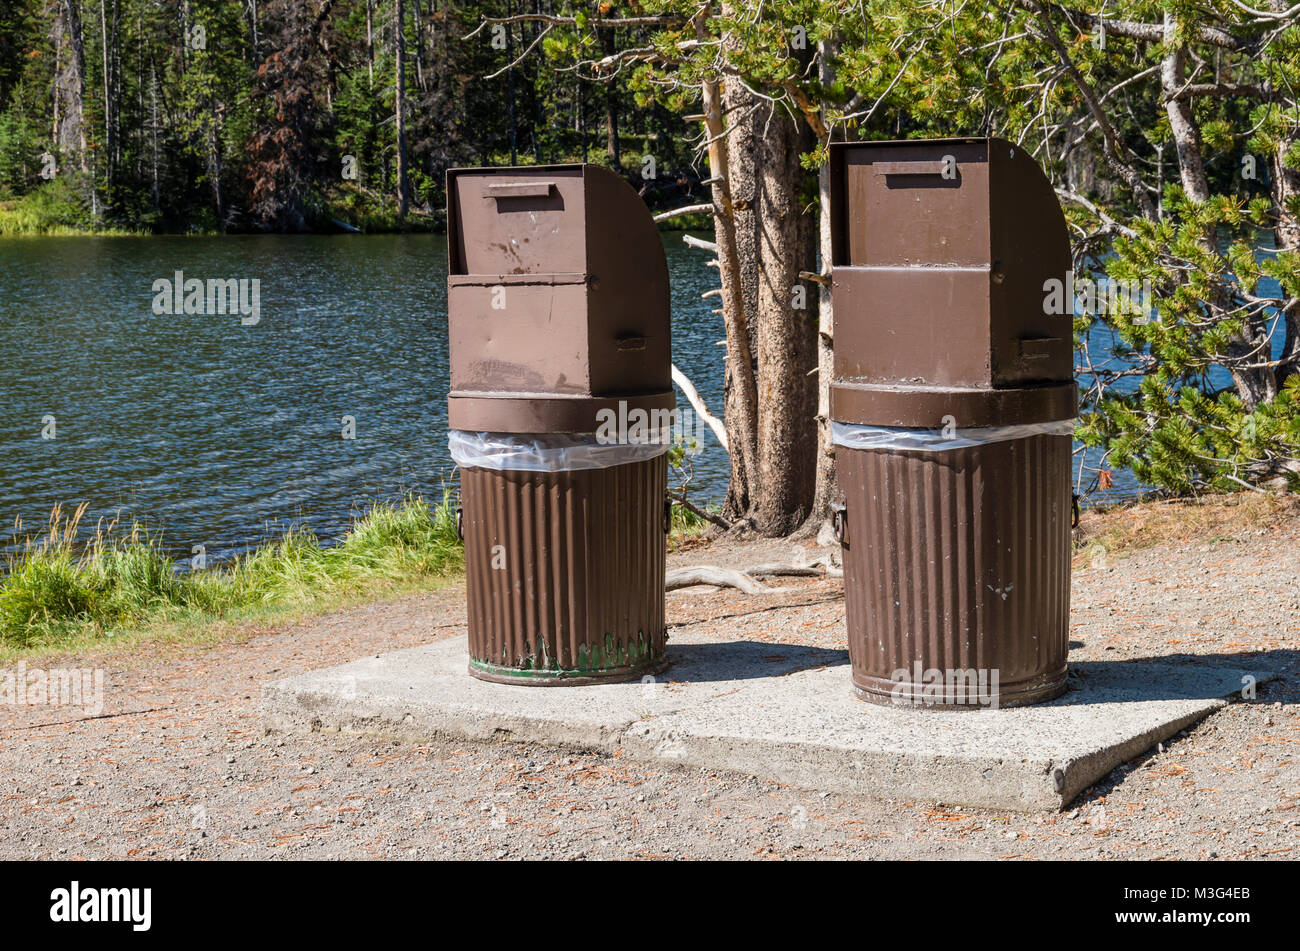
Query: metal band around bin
column 543, row 413
column 918, row 407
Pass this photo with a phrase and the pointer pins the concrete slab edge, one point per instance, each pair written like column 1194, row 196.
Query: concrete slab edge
column 1021, row 786
column 290, row 708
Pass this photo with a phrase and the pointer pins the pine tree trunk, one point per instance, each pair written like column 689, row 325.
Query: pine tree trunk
column 370, row 41
column 420, row 83
column 1285, row 186
column 743, row 146
column 786, row 326
column 611, row 105
column 156, row 187
column 827, row 487
column 510, row 93
column 742, row 181
column 741, row 407
column 109, row 42
column 611, row 124
column 71, row 135
column 399, row 112
column 255, row 43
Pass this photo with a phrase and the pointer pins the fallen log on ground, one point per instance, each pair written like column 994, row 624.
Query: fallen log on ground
column 745, row 580
column 718, row 577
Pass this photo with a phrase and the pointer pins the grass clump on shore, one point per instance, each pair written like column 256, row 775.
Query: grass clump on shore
column 58, row 589
column 685, row 524
column 52, row 209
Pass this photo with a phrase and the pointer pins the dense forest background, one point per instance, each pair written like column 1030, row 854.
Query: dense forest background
column 280, row 115
column 1170, row 130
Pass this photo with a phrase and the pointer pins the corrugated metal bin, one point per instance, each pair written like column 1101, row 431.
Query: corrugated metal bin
column 952, row 406
column 559, row 412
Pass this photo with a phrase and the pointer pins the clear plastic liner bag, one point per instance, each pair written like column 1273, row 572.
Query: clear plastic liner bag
column 545, row 452
column 853, row 436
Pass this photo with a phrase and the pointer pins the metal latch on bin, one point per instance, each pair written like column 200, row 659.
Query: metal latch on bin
column 840, row 523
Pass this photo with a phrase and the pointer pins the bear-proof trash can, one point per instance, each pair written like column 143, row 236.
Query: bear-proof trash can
column 952, row 405
column 559, row 413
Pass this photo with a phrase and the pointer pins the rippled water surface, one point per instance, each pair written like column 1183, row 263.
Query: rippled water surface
column 216, row 432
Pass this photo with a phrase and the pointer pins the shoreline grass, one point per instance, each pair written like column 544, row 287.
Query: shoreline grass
column 57, row 593
column 684, row 524
column 119, row 590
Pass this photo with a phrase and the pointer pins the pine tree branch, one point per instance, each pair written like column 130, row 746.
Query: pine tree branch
column 1114, row 149
column 1148, row 32
column 553, row 20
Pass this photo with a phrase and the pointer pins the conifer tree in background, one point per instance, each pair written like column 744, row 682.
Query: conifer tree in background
column 1170, row 130
column 1171, row 133
column 1168, row 127
column 268, row 115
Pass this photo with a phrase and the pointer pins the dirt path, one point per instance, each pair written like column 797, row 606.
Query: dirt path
column 177, row 765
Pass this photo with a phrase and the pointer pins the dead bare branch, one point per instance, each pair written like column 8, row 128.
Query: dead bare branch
column 701, row 209
column 693, row 397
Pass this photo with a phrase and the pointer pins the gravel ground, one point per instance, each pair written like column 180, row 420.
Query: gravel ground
column 177, row 766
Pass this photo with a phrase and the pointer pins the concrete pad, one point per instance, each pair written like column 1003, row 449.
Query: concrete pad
column 779, row 712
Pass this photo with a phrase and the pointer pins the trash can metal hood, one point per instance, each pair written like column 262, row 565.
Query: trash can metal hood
column 558, row 299
column 940, row 250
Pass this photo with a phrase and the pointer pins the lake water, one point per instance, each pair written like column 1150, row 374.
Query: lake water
column 221, row 434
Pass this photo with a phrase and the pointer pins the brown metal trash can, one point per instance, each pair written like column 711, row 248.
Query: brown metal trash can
column 952, row 406
column 559, row 335
column 576, row 594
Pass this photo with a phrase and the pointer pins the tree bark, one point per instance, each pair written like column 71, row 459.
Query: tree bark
column 215, row 171
column 256, row 36
column 786, row 334
column 71, row 135
column 399, row 110
column 418, row 19
column 741, row 409
column 742, row 183
column 510, row 93
column 743, row 147
column 826, row 490
column 155, row 183
column 1182, row 122
column 611, row 104
column 370, row 41
column 108, row 41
